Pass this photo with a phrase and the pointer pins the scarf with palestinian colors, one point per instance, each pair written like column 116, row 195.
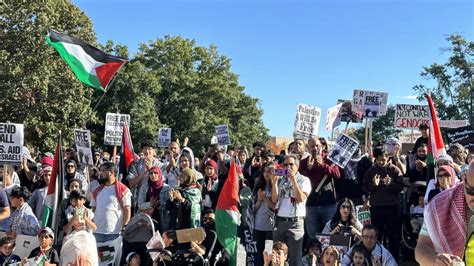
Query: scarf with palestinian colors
column 446, row 220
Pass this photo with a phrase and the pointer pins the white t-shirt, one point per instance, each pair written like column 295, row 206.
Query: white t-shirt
column 108, row 214
column 285, row 192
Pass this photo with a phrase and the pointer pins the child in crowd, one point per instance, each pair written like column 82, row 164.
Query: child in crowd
column 7, row 257
column 330, row 257
column 417, row 214
column 358, row 257
column 45, row 253
column 22, row 221
column 133, row 259
column 279, row 255
column 78, row 216
column 314, row 252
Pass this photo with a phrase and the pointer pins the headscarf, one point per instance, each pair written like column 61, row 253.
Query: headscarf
column 452, row 174
column 212, row 164
column 189, row 177
column 48, row 161
column 71, row 175
column 154, row 187
column 186, row 151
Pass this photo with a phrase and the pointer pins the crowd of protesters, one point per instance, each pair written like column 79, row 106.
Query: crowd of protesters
column 290, row 198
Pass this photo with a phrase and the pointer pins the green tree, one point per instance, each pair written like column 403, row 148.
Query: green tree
column 453, row 80
column 382, row 128
column 198, row 92
column 37, row 88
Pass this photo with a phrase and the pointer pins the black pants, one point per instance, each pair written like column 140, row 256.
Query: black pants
column 259, row 237
column 388, row 221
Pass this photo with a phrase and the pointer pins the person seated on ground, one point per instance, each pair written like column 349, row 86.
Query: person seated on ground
column 417, row 214
column 279, row 255
column 22, row 221
column 45, row 252
column 344, row 221
column 78, row 216
column 133, row 259
column 445, row 179
column 7, row 256
column 377, row 253
column 358, row 256
column 314, row 252
column 330, row 257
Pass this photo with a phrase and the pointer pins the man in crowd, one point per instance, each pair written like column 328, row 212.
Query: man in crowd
column 425, row 134
column 418, row 169
column 173, row 156
column 384, row 182
column 299, row 148
column 111, row 203
column 289, row 193
column 321, row 203
column 253, row 164
column 448, row 226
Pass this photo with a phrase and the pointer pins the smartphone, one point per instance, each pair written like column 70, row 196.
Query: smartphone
column 281, row 172
column 268, row 246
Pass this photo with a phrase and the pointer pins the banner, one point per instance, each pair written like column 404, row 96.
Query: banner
column 114, row 128
column 332, row 117
column 222, row 133
column 411, row 116
column 110, row 252
column 408, row 137
column 83, row 146
column 164, row 137
column 369, row 103
column 453, row 123
column 343, row 150
column 11, row 142
column 307, row 121
column 463, row 136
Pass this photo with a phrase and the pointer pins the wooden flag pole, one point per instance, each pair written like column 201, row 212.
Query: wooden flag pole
column 366, row 147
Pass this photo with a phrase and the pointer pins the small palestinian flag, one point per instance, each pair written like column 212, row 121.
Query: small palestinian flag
column 91, row 65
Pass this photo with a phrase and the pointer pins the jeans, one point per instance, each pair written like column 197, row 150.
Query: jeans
column 102, row 238
column 291, row 233
column 316, row 219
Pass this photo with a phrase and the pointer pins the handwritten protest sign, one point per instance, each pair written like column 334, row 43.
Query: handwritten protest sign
column 343, row 150
column 83, row 146
column 307, row 121
column 369, row 103
column 114, row 128
column 463, row 136
column 453, row 123
column 11, row 142
column 164, row 137
column 411, row 115
column 222, row 133
column 408, row 137
column 332, row 118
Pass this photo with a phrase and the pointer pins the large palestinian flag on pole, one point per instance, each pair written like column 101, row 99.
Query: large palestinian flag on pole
column 228, row 215
column 127, row 155
column 435, row 141
column 91, row 65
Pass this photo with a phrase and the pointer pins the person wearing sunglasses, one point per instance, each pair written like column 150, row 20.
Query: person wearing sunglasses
column 344, row 221
column 445, row 178
column 447, row 232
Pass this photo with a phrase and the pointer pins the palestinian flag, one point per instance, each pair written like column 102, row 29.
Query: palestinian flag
column 227, row 214
column 91, row 66
column 55, row 192
column 435, row 141
column 126, row 152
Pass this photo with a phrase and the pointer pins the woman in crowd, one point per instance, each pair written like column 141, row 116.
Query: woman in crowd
column 36, row 200
column 263, row 210
column 153, row 196
column 184, row 202
column 72, row 173
column 330, row 257
column 344, row 221
column 209, row 191
column 445, row 178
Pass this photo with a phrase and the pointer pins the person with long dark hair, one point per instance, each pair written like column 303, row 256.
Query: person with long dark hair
column 263, row 209
column 344, row 221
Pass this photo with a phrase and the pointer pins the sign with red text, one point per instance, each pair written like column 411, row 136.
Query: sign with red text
column 411, row 116
column 369, row 103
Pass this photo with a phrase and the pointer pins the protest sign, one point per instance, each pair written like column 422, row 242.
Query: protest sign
column 11, row 142
column 343, row 150
column 346, row 114
column 222, row 133
column 411, row 115
column 332, row 118
column 463, row 136
column 24, row 244
column 110, row 252
column 307, row 121
column 408, row 137
column 83, row 146
column 453, row 123
column 114, row 128
column 164, row 137
column 369, row 103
